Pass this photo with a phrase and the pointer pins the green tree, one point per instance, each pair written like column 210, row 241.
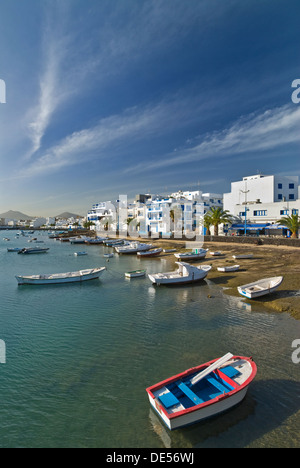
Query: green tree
column 292, row 222
column 88, row 224
column 216, row 216
column 207, row 223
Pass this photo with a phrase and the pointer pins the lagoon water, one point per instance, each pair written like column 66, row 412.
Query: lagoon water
column 79, row 357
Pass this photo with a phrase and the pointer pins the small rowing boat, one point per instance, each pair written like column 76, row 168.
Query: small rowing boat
column 33, row 250
column 236, row 257
column 194, row 255
column 135, row 274
column 133, row 248
column 227, row 269
column 203, row 391
column 60, row 278
column 149, row 253
column 261, row 287
column 185, row 274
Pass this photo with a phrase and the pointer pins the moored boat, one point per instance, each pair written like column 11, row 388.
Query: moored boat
column 133, row 248
column 33, row 250
column 194, row 255
column 227, row 269
column 77, row 240
column 149, row 253
column 95, row 241
column 215, row 254
column 261, row 287
column 15, row 249
column 185, row 274
column 202, row 392
column 61, row 278
column 135, row 274
column 79, row 254
column 242, row 256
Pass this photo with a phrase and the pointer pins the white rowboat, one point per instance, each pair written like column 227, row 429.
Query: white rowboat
column 199, row 253
column 59, row 278
column 133, row 248
column 135, row 274
column 185, row 274
column 227, row 269
column 261, row 287
column 242, row 256
column 203, row 391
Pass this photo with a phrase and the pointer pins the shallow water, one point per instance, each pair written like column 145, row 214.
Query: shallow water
column 79, row 357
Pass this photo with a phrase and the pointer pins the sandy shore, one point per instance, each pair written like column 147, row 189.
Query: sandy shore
column 267, row 261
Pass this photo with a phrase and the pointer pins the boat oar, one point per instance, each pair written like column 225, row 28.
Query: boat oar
column 211, row 368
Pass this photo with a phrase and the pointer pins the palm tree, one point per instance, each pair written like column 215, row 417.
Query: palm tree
column 292, row 222
column 207, row 223
column 217, row 216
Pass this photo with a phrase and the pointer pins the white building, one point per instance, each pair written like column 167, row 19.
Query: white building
column 263, row 199
column 187, row 209
column 50, row 221
column 37, row 222
column 154, row 213
column 103, row 214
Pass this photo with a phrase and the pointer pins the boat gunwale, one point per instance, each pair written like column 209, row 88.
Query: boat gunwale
column 258, row 282
column 200, row 406
column 55, row 278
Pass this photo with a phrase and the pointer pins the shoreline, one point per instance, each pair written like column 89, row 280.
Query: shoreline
column 268, row 261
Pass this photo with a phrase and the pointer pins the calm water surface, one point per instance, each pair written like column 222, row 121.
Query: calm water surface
column 79, row 357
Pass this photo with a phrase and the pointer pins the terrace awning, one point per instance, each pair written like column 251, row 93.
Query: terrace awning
column 250, row 226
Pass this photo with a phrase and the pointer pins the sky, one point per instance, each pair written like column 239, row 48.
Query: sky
column 120, row 97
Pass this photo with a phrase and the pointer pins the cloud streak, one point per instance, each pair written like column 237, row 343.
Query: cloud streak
column 267, row 131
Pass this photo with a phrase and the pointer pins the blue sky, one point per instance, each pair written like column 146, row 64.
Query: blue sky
column 110, row 97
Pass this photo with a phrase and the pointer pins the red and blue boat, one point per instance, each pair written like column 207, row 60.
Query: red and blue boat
column 203, row 391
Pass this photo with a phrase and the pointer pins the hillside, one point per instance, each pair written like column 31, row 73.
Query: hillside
column 67, row 215
column 15, row 215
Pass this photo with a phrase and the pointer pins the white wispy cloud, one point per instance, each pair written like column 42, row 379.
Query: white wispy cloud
column 99, row 141
column 113, row 135
column 52, row 91
column 269, row 130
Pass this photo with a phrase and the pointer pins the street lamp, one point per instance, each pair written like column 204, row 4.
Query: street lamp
column 246, row 209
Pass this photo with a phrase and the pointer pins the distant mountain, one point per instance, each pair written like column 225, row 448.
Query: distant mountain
column 67, row 215
column 15, row 215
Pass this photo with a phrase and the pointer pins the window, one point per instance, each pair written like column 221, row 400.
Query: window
column 242, row 213
column 291, row 186
column 284, row 212
column 260, row 213
column 291, row 196
column 280, row 196
column 280, row 186
column 295, row 212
